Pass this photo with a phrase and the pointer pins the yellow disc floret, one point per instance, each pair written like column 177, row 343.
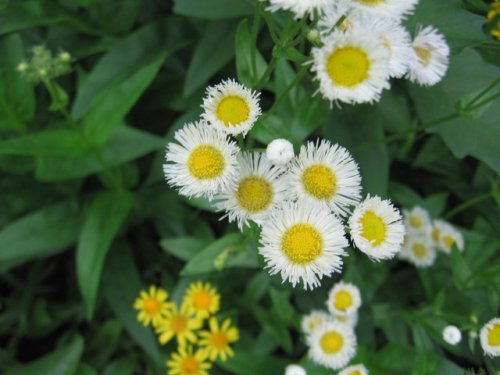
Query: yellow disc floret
column 206, row 162
column 343, row 300
column 319, row 181
column 371, row 2
column 302, row 243
column 332, row 342
column 423, row 54
column 373, row 228
column 416, row 221
column 494, row 335
column 254, row 194
column 348, row 66
column 233, row 110
column 419, row 250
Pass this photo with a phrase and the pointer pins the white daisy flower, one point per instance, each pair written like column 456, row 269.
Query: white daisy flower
column 332, row 16
column 202, row 163
column 490, row 337
column 295, row 370
column 299, row 7
column 258, row 188
column 280, row 151
column 332, row 345
column 303, row 242
column 429, row 57
column 398, row 9
column 418, row 250
column 452, row 335
column 351, row 319
column 327, row 174
column 417, row 220
column 231, row 107
column 445, row 236
column 377, row 228
column 343, row 299
column 313, row 320
column 351, row 66
column 354, row 370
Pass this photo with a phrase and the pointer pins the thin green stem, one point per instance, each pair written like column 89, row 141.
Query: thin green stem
column 255, row 31
column 483, row 102
column 484, row 92
column 468, row 203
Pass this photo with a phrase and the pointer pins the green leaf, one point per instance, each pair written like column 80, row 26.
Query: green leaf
column 27, row 14
column 63, row 361
column 461, row 270
column 245, row 363
column 213, row 9
column 104, row 218
column 184, row 248
column 463, row 135
column 17, row 101
column 460, row 27
column 214, row 50
column 122, row 75
column 282, row 306
column 125, row 144
column 121, row 286
column 40, row 234
column 51, row 142
column 244, row 48
column 121, row 366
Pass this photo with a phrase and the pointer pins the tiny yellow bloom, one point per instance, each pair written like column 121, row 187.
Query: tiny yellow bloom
column 216, row 341
column 180, row 323
column 203, row 298
column 187, row 363
column 152, row 306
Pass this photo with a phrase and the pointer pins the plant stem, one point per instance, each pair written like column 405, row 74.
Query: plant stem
column 468, row 203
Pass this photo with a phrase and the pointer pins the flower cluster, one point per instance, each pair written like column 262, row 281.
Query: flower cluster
column 363, row 44
column 330, row 336
column 424, row 237
column 43, row 66
column 185, row 324
column 305, row 200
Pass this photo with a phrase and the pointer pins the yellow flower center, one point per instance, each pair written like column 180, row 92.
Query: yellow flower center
column 415, row 221
column 319, row 181
column 494, row 335
column 233, row 110
column 449, row 241
column 419, row 250
column 206, row 162
column 178, row 324
column 373, row 228
column 331, row 342
column 254, row 194
column 314, row 323
column 371, row 2
column 423, row 54
column 436, row 233
column 355, row 372
column 152, row 306
column 343, row 300
column 219, row 340
column 189, row 366
column 348, row 66
column 202, row 300
column 302, row 243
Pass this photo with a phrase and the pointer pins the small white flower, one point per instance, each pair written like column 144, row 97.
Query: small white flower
column 352, row 66
column 202, row 163
column 418, row 250
column 299, row 7
column 231, row 107
column 452, row 335
column 351, row 319
column 429, row 58
column 295, row 370
column 313, row 320
column 343, row 299
column 279, row 151
column 377, row 228
column 332, row 345
column 327, row 174
column 490, row 337
column 397, row 9
column 303, row 243
column 445, row 236
column 417, row 220
column 258, row 188
column 354, row 370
